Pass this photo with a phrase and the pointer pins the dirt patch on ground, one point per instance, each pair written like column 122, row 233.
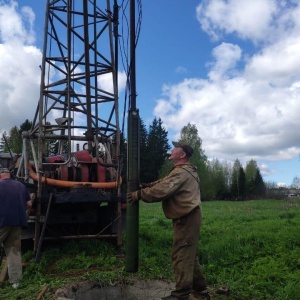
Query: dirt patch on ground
column 140, row 290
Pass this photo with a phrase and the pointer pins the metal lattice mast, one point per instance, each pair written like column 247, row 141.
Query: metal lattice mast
column 79, row 79
column 78, row 93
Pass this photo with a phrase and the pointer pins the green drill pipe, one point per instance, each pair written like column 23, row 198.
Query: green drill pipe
column 132, row 217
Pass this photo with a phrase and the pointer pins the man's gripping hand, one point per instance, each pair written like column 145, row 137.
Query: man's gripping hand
column 133, row 197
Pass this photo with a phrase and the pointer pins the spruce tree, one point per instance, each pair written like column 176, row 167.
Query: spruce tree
column 157, row 150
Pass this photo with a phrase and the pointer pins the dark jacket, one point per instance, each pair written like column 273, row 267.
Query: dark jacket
column 13, row 203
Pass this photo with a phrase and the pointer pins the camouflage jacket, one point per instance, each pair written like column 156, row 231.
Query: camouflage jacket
column 179, row 191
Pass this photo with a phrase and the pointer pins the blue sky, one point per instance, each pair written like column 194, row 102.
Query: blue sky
column 230, row 67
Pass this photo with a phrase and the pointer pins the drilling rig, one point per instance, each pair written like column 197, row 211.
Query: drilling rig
column 71, row 160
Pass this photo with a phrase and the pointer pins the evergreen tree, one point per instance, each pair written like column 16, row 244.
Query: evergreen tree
column 144, row 158
column 156, row 150
column 242, row 184
column 260, row 187
column 3, row 146
column 165, row 169
column 26, row 126
column 255, row 186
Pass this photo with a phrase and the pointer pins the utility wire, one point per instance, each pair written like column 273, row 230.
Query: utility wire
column 124, row 47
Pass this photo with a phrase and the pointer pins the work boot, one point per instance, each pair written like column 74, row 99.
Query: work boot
column 201, row 295
column 192, row 297
column 171, row 297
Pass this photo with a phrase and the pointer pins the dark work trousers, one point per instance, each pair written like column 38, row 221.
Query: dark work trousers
column 184, row 255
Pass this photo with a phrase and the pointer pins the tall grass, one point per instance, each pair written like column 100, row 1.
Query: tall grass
column 251, row 247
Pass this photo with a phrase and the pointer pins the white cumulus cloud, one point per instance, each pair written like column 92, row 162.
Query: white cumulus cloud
column 19, row 65
column 248, row 105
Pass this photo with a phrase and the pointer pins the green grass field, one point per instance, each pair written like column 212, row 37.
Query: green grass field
column 251, row 247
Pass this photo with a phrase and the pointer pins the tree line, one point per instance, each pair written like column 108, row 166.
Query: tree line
column 219, row 180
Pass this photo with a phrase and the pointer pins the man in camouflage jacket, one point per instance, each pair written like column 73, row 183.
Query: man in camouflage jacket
column 179, row 193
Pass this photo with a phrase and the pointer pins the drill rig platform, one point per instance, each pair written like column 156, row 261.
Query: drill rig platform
column 71, row 160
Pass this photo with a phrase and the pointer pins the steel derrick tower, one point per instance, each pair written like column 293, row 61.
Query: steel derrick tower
column 71, row 155
column 79, row 72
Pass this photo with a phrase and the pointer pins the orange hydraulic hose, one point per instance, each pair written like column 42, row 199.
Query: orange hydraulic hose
column 72, row 184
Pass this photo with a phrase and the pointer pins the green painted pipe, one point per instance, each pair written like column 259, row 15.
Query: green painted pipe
column 132, row 217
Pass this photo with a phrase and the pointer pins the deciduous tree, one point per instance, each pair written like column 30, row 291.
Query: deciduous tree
column 189, row 134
